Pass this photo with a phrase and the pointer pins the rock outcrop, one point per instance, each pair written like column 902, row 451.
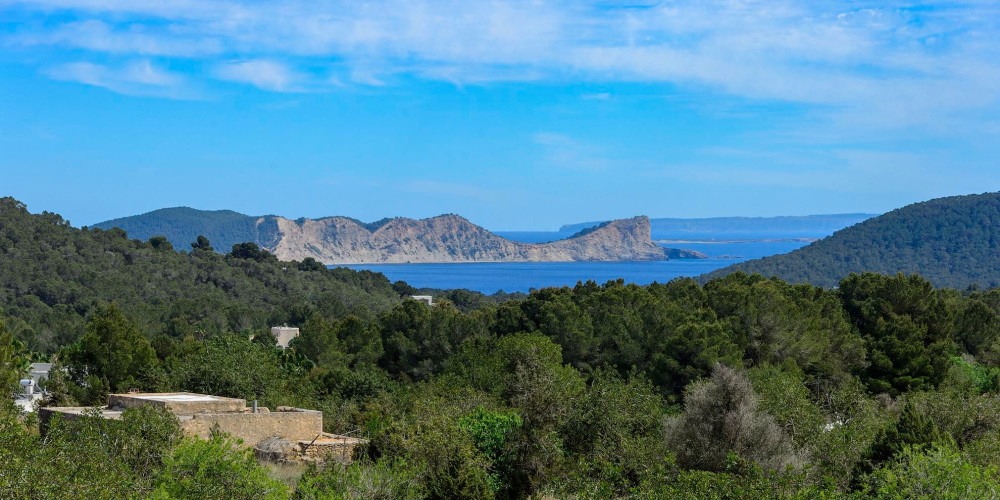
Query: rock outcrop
column 446, row 238
column 450, row 238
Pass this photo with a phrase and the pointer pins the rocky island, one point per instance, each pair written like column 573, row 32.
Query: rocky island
column 445, row 238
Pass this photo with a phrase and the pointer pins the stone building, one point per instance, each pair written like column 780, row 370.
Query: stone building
column 200, row 414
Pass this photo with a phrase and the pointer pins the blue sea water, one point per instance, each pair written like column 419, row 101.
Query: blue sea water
column 523, row 276
column 742, row 251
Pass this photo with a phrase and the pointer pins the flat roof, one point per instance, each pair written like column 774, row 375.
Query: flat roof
column 177, row 397
column 178, row 402
column 174, row 396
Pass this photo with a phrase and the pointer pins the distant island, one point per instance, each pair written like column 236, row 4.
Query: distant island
column 442, row 239
column 725, row 241
column 953, row 242
column 711, row 229
column 788, row 226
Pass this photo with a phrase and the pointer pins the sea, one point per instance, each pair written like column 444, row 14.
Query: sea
column 488, row 277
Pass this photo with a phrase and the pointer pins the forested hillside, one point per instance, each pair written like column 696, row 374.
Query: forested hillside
column 52, row 276
column 181, row 225
column 743, row 387
column 953, row 242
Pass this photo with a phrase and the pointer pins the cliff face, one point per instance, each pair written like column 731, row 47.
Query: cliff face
column 341, row 240
column 450, row 238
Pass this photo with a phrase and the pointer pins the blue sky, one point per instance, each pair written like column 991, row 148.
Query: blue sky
column 517, row 115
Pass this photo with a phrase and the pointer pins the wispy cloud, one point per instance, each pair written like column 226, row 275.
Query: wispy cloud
column 263, row 74
column 893, row 62
column 131, row 39
column 140, row 78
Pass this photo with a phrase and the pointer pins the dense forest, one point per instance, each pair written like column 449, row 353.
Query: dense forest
column 741, row 387
column 52, row 276
column 953, row 242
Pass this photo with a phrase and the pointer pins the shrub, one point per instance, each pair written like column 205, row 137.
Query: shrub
column 494, row 434
column 381, row 480
column 215, row 468
column 721, row 416
column 938, row 472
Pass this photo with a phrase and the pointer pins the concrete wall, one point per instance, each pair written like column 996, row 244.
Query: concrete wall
column 252, row 428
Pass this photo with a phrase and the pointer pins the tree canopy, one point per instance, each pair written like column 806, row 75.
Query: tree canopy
column 741, row 387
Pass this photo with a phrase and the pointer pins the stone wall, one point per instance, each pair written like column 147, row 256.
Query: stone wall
column 252, row 428
column 200, row 414
column 340, row 450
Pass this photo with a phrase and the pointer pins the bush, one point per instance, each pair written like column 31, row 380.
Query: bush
column 381, row 480
column 429, row 435
column 737, row 481
column 88, row 457
column 494, row 434
column 912, row 430
column 721, row 417
column 214, row 468
column 616, row 431
column 939, row 472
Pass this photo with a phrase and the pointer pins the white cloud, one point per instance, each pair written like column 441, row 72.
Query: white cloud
column 898, row 64
column 140, row 78
column 263, row 74
column 99, row 36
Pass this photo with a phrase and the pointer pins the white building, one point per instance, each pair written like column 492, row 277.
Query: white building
column 429, row 299
column 30, row 392
column 284, row 334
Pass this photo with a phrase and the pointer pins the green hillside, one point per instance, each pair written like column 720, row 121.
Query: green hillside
column 53, row 275
column 181, row 225
column 953, row 242
column 744, row 387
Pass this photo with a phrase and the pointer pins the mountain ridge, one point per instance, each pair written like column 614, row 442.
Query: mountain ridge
column 344, row 240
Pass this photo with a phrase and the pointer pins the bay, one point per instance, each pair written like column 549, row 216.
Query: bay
column 490, row 277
